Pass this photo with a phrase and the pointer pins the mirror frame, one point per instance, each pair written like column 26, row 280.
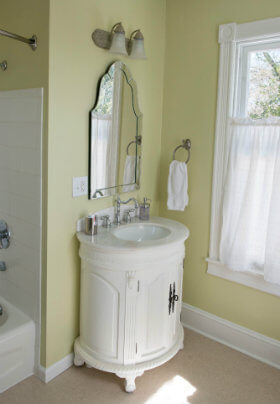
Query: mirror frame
column 139, row 120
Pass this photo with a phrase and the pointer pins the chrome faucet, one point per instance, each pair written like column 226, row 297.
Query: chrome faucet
column 118, row 206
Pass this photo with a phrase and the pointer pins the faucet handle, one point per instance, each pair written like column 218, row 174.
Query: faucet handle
column 130, row 211
column 106, row 221
column 126, row 216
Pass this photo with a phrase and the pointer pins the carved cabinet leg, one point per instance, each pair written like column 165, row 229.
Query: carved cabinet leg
column 129, row 384
column 78, row 360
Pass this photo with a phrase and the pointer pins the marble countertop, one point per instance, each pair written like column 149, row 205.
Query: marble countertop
column 106, row 238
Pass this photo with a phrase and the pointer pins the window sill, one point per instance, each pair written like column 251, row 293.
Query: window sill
column 253, row 280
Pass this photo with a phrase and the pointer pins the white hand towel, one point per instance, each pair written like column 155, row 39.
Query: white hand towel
column 178, row 197
column 129, row 173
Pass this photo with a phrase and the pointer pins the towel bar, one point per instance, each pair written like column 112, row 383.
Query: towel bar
column 186, row 144
column 4, row 65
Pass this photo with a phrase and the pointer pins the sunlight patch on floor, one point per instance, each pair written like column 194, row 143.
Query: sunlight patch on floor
column 175, row 391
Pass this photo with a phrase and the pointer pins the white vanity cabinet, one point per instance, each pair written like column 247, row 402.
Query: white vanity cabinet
column 130, row 307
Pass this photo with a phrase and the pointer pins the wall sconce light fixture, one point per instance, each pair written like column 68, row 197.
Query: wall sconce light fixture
column 116, row 42
column 136, row 45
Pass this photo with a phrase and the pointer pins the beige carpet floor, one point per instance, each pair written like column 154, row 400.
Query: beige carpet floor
column 205, row 372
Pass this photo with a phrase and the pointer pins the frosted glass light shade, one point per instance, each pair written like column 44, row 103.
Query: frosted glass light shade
column 137, row 45
column 118, row 43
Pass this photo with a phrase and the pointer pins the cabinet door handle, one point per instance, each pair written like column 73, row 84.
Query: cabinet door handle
column 175, row 297
column 173, row 301
column 170, row 299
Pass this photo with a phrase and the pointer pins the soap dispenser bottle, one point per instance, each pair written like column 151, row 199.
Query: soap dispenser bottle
column 144, row 213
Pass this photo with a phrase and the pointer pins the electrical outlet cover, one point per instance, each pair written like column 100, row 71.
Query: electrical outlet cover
column 79, row 186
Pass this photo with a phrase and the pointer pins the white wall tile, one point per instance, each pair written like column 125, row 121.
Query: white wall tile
column 25, row 209
column 4, row 180
column 5, row 157
column 20, row 197
column 17, row 108
column 20, row 135
column 24, row 184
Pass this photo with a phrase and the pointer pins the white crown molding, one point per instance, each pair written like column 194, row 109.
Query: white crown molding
column 242, row 339
column 227, row 32
column 47, row 374
column 262, row 29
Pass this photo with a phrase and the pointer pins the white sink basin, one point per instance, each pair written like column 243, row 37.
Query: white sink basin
column 157, row 233
column 141, row 232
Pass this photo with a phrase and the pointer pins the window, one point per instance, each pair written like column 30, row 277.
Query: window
column 245, row 222
column 258, row 91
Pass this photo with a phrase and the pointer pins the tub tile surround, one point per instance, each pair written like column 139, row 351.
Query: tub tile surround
column 20, row 199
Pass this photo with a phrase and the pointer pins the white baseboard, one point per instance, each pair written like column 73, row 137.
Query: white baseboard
column 47, row 374
column 240, row 338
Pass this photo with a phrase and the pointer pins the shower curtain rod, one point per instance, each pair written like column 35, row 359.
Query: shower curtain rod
column 32, row 42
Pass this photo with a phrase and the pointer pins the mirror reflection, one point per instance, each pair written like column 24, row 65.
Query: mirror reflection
column 115, row 135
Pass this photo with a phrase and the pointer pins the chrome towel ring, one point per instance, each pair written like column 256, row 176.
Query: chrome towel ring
column 138, row 141
column 186, row 144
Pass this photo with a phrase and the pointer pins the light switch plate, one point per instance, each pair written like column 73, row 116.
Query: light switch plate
column 80, row 186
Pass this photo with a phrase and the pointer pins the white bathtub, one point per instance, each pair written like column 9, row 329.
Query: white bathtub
column 17, row 346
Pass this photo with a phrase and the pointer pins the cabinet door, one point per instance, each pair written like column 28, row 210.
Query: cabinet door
column 152, row 318
column 102, row 312
column 158, row 311
column 175, row 286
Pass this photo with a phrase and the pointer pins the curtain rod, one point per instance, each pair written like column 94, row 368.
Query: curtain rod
column 30, row 41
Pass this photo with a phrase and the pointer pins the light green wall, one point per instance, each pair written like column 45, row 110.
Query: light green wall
column 75, row 67
column 190, row 97
column 29, row 69
column 26, row 68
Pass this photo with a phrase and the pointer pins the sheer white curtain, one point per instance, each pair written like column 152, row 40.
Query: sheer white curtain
column 103, row 161
column 250, row 236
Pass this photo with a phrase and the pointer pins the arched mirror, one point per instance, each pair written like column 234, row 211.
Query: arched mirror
column 115, row 137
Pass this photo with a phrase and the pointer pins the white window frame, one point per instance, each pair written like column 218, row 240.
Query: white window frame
column 233, row 39
column 241, row 89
